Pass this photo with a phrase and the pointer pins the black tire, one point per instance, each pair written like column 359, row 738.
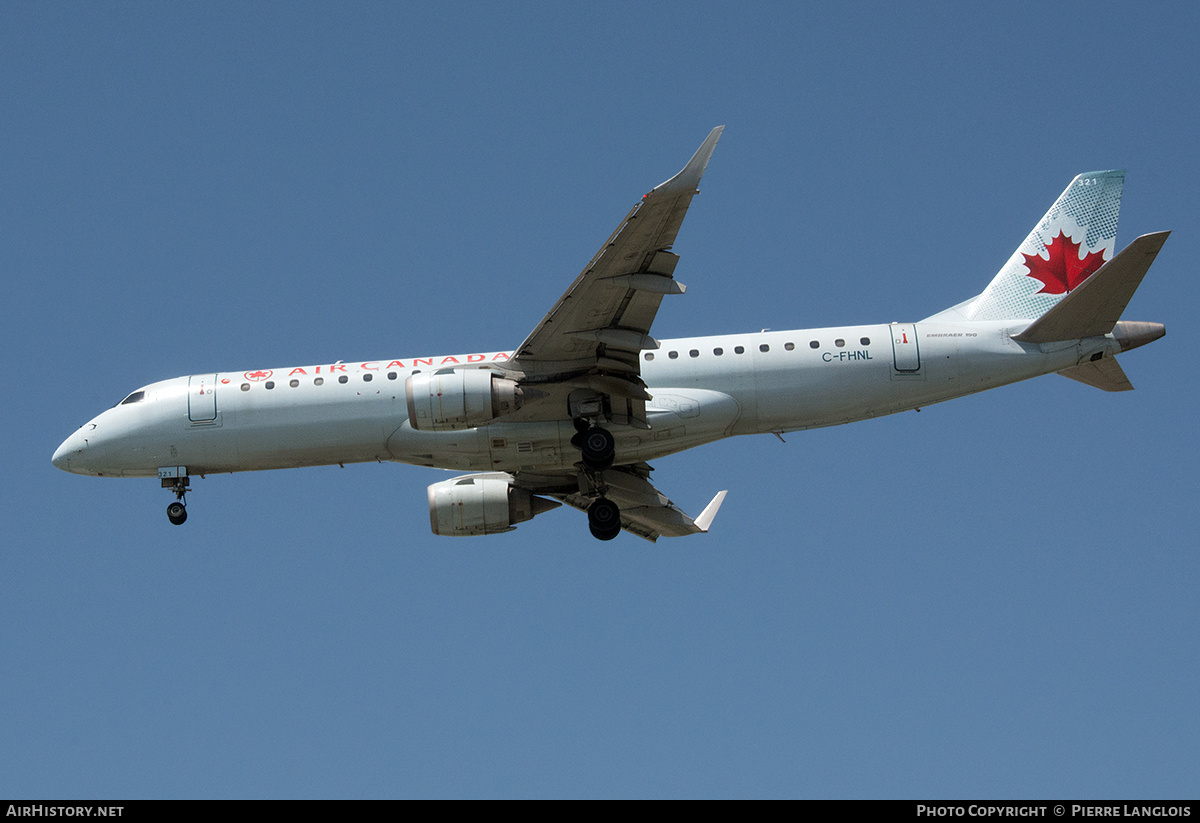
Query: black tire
column 581, row 428
column 604, row 519
column 604, row 535
column 177, row 513
column 598, row 448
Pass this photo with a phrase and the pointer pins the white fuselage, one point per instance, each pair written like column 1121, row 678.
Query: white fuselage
column 703, row 388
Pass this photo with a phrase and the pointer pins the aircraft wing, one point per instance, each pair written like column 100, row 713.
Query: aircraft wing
column 599, row 327
column 645, row 511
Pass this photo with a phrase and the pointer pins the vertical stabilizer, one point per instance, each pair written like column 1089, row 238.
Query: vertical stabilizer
column 1068, row 244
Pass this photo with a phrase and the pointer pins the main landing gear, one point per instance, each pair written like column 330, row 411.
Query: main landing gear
column 177, row 511
column 604, row 519
column 597, row 444
column 598, row 448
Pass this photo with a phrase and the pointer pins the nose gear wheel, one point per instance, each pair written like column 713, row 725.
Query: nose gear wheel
column 177, row 511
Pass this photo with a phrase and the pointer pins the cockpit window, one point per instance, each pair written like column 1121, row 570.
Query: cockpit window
column 136, row 397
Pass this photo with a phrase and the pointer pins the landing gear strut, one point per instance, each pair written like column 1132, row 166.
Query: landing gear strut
column 177, row 511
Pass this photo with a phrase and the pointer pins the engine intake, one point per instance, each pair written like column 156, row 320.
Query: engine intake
column 453, row 399
column 478, row 504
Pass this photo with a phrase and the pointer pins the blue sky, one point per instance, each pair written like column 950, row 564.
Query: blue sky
column 995, row 597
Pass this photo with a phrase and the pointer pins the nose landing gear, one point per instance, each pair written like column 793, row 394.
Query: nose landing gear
column 177, row 511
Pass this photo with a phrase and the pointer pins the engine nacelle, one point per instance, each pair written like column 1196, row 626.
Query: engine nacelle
column 476, row 504
column 452, row 399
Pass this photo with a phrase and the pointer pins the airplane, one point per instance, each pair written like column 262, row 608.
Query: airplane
column 575, row 412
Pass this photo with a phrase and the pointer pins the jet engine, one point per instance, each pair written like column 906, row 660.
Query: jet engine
column 476, row 504
column 451, row 399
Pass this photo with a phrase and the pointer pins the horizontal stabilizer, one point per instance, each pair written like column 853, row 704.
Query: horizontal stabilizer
column 1095, row 306
column 1104, row 374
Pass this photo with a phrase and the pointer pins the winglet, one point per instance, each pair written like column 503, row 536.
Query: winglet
column 710, row 511
column 689, row 178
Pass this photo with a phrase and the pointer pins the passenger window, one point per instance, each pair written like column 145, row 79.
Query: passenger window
column 270, row 384
column 367, row 378
column 391, row 375
column 649, row 355
column 789, row 346
column 342, row 379
column 673, row 355
column 245, row 387
column 866, row 341
column 815, row 344
column 694, row 353
column 840, row 343
column 294, row 383
column 320, row 381
column 718, row 352
column 764, row 347
column 738, row 350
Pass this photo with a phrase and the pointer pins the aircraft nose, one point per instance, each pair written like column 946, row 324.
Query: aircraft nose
column 71, row 450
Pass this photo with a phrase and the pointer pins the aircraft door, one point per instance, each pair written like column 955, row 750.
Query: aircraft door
column 202, row 398
column 905, row 355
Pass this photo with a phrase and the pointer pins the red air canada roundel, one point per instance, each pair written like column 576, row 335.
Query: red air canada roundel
column 258, row 375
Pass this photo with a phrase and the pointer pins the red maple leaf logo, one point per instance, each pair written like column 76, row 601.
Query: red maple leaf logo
column 1064, row 270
